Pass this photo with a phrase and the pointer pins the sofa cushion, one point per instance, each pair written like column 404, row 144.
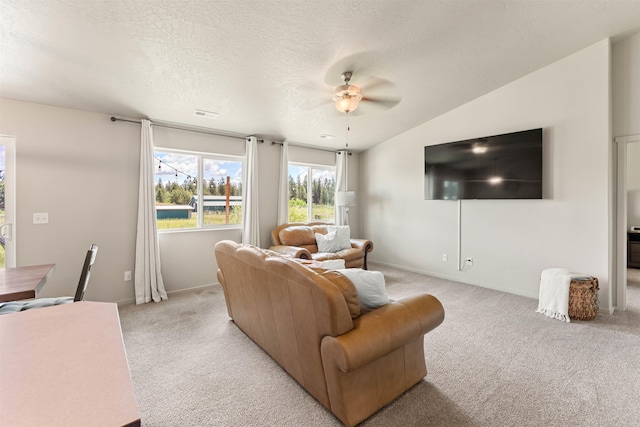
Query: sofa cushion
column 269, row 252
column 348, row 290
column 323, row 256
column 297, row 235
column 370, row 285
column 350, row 254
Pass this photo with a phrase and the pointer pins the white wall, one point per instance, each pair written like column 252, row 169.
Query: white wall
column 511, row 241
column 625, row 59
column 82, row 169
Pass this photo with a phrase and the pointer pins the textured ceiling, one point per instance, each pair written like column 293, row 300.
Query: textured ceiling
column 269, row 67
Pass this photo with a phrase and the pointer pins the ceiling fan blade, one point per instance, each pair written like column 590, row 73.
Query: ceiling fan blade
column 383, row 102
column 312, row 95
column 314, row 104
column 380, row 88
column 370, row 82
column 376, row 105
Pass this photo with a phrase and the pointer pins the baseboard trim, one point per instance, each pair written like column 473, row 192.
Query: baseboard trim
column 195, row 288
column 169, row 293
column 457, row 279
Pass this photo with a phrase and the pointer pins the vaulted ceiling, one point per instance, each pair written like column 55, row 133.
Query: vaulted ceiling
column 269, row 67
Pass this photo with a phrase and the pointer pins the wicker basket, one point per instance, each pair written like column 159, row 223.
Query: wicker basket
column 583, row 299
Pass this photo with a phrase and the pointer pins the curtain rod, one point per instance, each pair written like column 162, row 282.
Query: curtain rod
column 164, row 125
column 627, row 138
column 309, row 147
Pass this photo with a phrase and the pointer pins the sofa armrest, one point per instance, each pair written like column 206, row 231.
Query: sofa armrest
column 382, row 331
column 294, row 251
column 363, row 244
column 223, row 283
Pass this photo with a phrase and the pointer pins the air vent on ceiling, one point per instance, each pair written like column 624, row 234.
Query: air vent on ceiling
column 206, row 114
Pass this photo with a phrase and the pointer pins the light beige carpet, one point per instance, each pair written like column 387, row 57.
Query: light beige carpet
column 493, row 362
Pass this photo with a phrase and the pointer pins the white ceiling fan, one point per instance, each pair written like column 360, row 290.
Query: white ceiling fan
column 376, row 94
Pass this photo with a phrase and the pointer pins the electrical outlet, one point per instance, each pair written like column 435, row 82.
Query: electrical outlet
column 40, row 218
column 127, row 276
column 445, row 258
column 469, row 261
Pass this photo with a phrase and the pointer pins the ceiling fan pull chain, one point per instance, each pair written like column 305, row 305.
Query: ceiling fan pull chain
column 348, row 130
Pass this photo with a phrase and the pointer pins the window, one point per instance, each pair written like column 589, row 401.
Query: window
column 185, row 202
column 311, row 193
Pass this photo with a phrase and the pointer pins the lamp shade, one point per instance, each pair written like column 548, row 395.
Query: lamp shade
column 346, row 198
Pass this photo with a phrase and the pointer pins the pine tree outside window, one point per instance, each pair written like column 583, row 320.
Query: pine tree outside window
column 311, row 193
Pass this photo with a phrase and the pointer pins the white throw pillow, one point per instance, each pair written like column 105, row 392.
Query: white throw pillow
column 343, row 235
column 327, row 242
column 370, row 286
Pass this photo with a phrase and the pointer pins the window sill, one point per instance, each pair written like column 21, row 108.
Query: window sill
column 206, row 229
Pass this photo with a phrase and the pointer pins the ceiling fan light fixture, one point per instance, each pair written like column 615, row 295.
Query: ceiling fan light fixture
column 347, row 96
column 346, row 104
column 348, row 90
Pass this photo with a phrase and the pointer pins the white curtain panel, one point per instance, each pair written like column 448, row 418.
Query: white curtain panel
column 283, row 188
column 250, row 223
column 148, row 278
column 341, row 184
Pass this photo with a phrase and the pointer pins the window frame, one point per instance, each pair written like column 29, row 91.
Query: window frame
column 200, row 157
column 310, row 167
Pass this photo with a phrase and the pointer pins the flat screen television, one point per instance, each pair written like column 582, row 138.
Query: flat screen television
column 507, row 166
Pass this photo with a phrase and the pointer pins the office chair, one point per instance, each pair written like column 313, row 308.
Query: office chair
column 16, row 306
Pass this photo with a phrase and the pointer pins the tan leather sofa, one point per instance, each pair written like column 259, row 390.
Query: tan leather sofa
column 309, row 322
column 299, row 241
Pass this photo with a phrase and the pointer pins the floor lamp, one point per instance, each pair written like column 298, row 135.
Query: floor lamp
column 345, row 199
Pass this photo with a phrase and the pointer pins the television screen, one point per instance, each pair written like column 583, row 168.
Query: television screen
column 507, row 166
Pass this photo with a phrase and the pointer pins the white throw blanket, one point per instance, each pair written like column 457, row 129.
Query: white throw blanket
column 554, row 293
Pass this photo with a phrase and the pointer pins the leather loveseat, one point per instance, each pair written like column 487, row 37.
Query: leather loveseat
column 309, row 321
column 299, row 241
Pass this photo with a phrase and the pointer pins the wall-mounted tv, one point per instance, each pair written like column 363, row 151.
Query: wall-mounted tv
column 507, row 166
